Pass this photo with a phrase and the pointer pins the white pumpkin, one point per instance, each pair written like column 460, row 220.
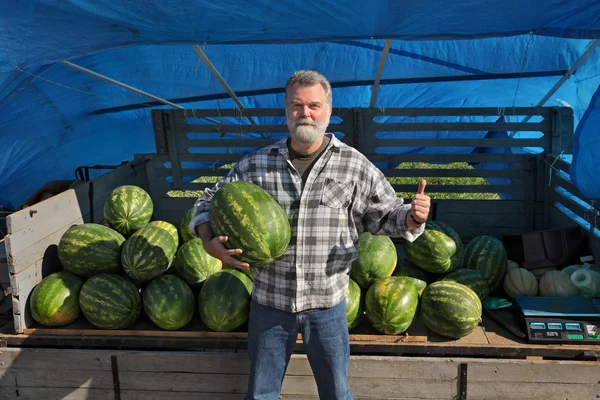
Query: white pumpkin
column 512, row 264
column 557, row 284
column 520, row 282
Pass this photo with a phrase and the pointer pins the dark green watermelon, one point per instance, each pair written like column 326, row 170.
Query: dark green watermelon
column 391, row 304
column 150, row 251
column 128, row 208
column 55, row 300
column 472, row 279
column 487, row 255
column 252, row 220
column 110, row 301
column 224, row 300
column 450, row 309
column 169, row 302
column 438, row 249
column 377, row 259
column 90, row 249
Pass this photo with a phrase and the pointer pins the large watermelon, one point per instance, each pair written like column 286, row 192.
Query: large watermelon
column 224, row 300
column 110, row 301
column 391, row 304
column 128, row 208
column 487, row 255
column 150, row 251
column 438, row 249
column 55, row 300
column 184, row 223
column 248, row 272
column 472, row 279
column 450, row 309
column 252, row 220
column 169, row 302
column 354, row 306
column 377, row 259
column 90, row 249
column 194, row 264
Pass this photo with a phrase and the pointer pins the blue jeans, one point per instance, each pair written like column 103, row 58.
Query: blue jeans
column 272, row 336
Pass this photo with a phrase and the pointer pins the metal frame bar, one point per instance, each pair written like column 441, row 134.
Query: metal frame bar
column 384, row 54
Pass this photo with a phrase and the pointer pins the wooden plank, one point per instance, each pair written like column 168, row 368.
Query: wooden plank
column 20, row 260
column 506, row 220
column 542, row 126
column 245, row 128
column 392, row 111
column 174, row 203
column 64, row 359
column 531, row 390
column 22, row 392
column 58, row 378
column 516, row 174
column 515, row 190
column 447, row 206
column 454, row 142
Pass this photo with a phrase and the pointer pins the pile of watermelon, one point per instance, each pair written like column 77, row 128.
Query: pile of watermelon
column 436, row 277
column 128, row 265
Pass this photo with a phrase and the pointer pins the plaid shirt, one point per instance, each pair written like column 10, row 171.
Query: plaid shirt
column 344, row 195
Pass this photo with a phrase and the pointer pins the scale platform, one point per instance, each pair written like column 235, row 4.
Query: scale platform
column 561, row 319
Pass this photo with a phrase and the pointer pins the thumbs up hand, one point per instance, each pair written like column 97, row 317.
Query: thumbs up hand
column 419, row 210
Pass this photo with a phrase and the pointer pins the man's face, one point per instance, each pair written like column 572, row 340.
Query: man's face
column 307, row 113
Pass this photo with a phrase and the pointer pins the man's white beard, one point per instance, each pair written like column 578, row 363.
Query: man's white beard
column 307, row 134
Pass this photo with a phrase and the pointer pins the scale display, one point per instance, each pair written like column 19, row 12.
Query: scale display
column 561, row 319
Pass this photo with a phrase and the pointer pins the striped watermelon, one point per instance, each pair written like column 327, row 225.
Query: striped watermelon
column 90, row 249
column 354, row 307
column 55, row 300
column 110, row 301
column 438, row 249
column 169, row 302
column 391, row 304
column 450, row 309
column 224, row 300
column 249, row 272
column 194, row 264
column 128, row 208
column 184, row 228
column 150, row 251
column 377, row 259
column 487, row 255
column 414, row 273
column 252, row 220
column 472, row 279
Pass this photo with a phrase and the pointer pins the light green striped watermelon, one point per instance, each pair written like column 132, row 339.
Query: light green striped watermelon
column 377, row 259
column 354, row 302
column 391, row 304
column 55, row 300
column 252, row 220
column 184, row 230
column 487, row 255
column 110, row 301
column 128, row 208
column 472, row 279
column 90, row 249
column 450, row 309
column 169, row 302
column 224, row 300
column 150, row 251
column 414, row 273
column 438, row 249
column 248, row 272
column 194, row 264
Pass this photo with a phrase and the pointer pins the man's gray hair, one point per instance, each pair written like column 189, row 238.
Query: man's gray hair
column 306, row 78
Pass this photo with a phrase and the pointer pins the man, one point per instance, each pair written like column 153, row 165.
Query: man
column 331, row 194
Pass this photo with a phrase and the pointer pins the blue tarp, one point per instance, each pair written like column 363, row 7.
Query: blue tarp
column 49, row 119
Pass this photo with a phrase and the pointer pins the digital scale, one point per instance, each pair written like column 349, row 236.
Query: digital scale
column 561, row 319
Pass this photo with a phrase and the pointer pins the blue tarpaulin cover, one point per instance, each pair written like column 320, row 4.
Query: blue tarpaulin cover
column 513, row 53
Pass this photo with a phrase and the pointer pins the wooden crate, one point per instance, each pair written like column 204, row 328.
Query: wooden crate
column 96, row 374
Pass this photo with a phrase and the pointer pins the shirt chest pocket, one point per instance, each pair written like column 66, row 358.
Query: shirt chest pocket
column 337, row 194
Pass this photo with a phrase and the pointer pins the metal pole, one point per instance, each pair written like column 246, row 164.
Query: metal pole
column 384, row 54
column 131, row 88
